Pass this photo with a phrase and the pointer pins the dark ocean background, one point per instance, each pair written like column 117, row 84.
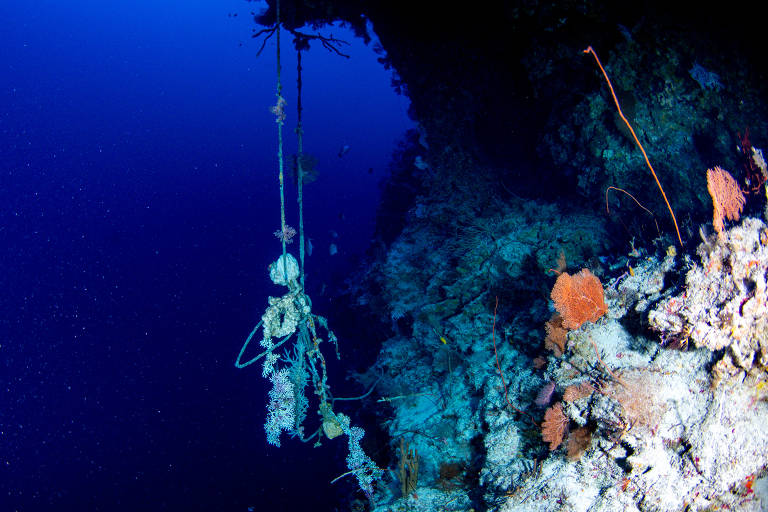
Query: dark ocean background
column 138, row 201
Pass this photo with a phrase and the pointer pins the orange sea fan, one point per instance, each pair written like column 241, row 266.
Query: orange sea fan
column 727, row 197
column 554, row 426
column 578, row 298
column 577, row 391
column 556, row 335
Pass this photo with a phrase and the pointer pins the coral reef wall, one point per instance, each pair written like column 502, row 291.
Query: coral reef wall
column 659, row 404
column 660, row 401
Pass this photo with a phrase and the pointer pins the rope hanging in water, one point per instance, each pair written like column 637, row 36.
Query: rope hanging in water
column 279, row 111
column 290, row 316
column 301, row 42
column 300, row 167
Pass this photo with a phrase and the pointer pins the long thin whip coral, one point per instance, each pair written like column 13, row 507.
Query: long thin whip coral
column 632, row 131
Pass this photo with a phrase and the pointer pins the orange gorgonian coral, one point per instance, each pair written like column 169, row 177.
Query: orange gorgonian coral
column 578, row 298
column 554, row 426
column 577, row 391
column 727, row 197
column 556, row 335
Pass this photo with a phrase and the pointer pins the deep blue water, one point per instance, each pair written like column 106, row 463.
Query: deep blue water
column 138, row 197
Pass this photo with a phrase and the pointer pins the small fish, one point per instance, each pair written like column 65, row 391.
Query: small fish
column 332, row 249
column 344, row 150
column 442, row 338
column 309, row 247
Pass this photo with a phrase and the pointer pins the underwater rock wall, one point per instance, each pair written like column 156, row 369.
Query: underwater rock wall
column 438, row 372
column 661, row 403
column 732, row 275
column 651, row 418
column 671, row 431
column 687, row 100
